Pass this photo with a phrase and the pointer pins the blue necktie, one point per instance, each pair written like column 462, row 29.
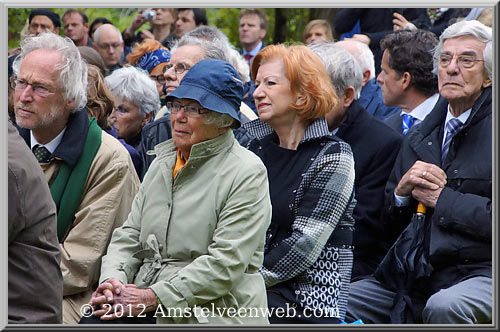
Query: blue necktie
column 407, row 123
column 452, row 127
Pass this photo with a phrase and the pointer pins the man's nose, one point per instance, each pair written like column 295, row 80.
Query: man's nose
column 379, row 79
column 25, row 95
column 170, row 74
column 453, row 65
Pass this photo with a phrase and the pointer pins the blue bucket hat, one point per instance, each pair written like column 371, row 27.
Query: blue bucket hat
column 215, row 85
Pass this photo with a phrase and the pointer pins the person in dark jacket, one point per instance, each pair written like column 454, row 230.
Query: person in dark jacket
column 432, row 19
column 35, row 278
column 374, row 146
column 445, row 164
column 374, row 24
column 407, row 79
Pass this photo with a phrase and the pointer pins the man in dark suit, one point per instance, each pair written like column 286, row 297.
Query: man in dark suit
column 252, row 30
column 439, row 270
column 406, row 77
column 375, row 147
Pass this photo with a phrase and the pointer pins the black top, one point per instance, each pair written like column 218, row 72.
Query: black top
column 284, row 169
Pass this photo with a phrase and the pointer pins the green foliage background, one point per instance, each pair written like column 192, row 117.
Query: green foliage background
column 225, row 19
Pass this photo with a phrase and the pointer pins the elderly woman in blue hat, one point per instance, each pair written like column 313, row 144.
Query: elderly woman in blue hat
column 192, row 245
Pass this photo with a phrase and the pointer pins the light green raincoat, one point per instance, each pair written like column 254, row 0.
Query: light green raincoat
column 198, row 241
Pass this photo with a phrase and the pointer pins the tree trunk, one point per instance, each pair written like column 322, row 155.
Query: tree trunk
column 326, row 14
column 279, row 25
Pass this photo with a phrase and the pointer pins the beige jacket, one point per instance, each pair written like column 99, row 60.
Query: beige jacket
column 109, row 191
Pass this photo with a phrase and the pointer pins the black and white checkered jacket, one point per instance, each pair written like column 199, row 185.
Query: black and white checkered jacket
column 315, row 258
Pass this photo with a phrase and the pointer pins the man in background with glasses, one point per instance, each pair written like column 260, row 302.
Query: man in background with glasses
column 439, row 269
column 109, row 44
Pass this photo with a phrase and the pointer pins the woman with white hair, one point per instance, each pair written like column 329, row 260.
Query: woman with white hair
column 137, row 100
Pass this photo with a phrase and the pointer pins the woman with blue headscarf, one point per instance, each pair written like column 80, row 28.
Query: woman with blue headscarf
column 151, row 56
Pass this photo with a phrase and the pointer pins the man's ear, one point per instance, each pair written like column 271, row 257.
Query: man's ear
column 69, row 105
column 348, row 96
column 58, row 31
column 262, row 33
column 366, row 77
column 405, row 80
column 486, row 82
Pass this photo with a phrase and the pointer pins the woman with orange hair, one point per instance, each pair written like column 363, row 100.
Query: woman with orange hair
column 308, row 254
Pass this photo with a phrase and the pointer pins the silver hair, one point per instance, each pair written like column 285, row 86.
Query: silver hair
column 216, row 46
column 468, row 28
column 98, row 31
column 73, row 70
column 208, row 32
column 241, row 65
column 221, row 120
column 214, row 49
column 364, row 56
column 342, row 67
column 134, row 85
column 220, row 48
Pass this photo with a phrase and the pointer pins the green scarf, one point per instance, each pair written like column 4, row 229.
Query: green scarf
column 67, row 188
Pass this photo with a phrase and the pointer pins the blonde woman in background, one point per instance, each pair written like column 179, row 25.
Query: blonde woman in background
column 317, row 30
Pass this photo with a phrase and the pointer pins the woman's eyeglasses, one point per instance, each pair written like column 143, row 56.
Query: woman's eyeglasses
column 189, row 110
column 158, row 78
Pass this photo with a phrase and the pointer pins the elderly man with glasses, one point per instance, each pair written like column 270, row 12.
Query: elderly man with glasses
column 108, row 42
column 439, row 269
column 89, row 172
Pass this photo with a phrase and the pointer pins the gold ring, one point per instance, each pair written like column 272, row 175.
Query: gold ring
column 424, row 174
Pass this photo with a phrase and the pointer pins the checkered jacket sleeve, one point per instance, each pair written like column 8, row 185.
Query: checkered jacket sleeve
column 324, row 195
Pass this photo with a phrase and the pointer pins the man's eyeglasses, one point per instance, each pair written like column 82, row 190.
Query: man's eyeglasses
column 464, row 61
column 107, row 46
column 158, row 78
column 38, row 89
column 179, row 67
column 189, row 110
